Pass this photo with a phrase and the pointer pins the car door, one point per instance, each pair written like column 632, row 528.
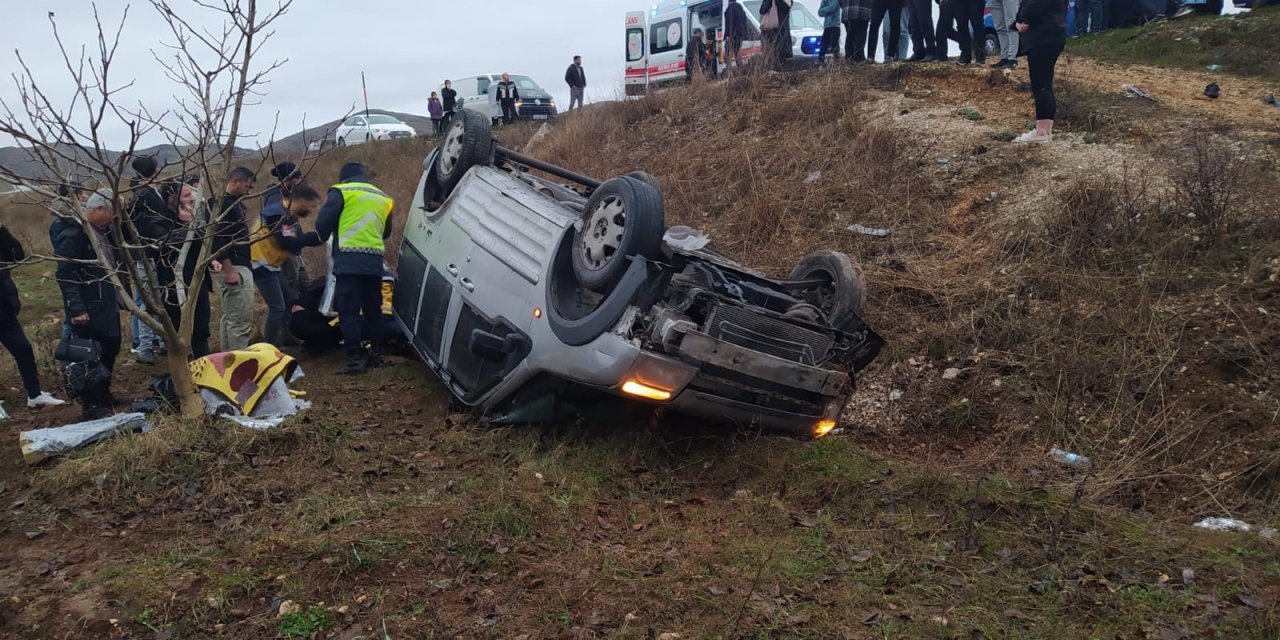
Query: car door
column 667, row 48
column 637, row 67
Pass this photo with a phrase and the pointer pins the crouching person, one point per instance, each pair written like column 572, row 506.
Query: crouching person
column 88, row 297
column 356, row 220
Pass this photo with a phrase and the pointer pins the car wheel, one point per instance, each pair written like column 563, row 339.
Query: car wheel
column 842, row 292
column 993, row 43
column 647, row 178
column 467, row 143
column 342, row 142
column 624, row 217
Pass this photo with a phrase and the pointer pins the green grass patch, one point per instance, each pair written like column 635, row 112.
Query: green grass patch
column 1245, row 44
column 306, row 623
column 971, row 114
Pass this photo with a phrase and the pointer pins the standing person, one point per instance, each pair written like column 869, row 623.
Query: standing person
column 576, row 78
column 155, row 223
column 88, row 297
column 274, row 238
column 357, row 217
column 1091, row 16
column 190, row 208
column 12, row 336
column 231, row 247
column 736, row 30
column 695, row 55
column 448, row 100
column 436, row 111
column 1042, row 24
column 965, row 17
column 894, row 10
column 778, row 42
column 1002, row 15
column 856, row 15
column 508, row 94
column 829, row 10
column 923, row 44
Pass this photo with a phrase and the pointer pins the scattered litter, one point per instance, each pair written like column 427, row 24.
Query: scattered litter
column 42, row 444
column 871, row 231
column 1213, row 91
column 1134, row 91
column 1271, row 100
column 813, row 177
column 1214, row 523
column 951, row 374
column 1068, row 458
column 1188, row 576
column 895, row 394
column 943, row 161
column 685, row 238
column 1215, row 67
column 4, row 415
column 32, row 535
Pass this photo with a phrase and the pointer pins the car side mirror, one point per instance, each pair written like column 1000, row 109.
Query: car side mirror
column 495, row 348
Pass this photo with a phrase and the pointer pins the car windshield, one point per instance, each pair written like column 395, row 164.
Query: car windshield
column 383, row 120
column 801, row 17
column 525, row 82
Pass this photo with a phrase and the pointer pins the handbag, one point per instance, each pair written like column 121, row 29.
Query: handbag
column 769, row 21
column 73, row 348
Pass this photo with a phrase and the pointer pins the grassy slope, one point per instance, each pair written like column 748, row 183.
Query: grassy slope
column 1245, row 44
column 380, row 509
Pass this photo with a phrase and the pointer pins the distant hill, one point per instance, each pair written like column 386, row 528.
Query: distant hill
column 19, row 160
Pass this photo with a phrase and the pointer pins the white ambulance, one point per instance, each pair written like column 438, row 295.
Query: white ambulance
column 657, row 38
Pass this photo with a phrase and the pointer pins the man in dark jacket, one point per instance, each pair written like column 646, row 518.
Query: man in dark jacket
column 231, row 246
column 88, row 297
column 357, row 217
column 856, row 16
column 508, row 94
column 576, row 78
column 279, row 239
column 737, row 29
column 695, row 55
column 156, row 224
column 12, row 336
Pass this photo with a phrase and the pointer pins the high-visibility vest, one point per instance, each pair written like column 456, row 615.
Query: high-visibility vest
column 365, row 209
column 264, row 250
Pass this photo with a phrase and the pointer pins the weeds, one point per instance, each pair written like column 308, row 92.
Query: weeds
column 1207, row 179
column 306, row 623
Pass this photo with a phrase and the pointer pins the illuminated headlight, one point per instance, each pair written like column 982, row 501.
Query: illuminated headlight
column 519, row 103
column 657, row 378
column 552, row 103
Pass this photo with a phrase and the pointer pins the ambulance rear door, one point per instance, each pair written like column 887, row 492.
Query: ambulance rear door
column 637, row 73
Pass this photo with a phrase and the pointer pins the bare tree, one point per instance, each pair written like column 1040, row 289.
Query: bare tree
column 210, row 58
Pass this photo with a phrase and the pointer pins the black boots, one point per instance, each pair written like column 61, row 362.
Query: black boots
column 361, row 360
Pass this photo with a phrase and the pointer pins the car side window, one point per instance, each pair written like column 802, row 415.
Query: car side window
column 483, row 85
column 666, row 36
column 357, row 122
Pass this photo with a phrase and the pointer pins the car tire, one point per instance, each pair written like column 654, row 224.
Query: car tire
column 845, row 292
column 467, row 142
column 342, row 142
column 623, row 218
column 647, row 178
column 992, row 43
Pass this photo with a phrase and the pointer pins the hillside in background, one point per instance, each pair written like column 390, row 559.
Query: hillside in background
column 1113, row 293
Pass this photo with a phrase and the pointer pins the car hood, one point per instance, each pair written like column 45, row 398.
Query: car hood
column 535, row 94
column 391, row 127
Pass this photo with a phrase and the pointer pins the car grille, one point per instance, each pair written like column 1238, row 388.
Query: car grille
column 396, row 135
column 537, row 106
column 761, row 333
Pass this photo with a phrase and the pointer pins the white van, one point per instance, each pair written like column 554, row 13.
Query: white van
column 480, row 93
column 657, row 38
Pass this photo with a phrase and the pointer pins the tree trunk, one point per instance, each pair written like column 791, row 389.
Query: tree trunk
column 190, row 405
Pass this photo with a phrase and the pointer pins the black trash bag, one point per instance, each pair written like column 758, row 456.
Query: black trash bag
column 164, row 396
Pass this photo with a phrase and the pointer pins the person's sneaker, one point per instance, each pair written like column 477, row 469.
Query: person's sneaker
column 146, row 356
column 1183, row 12
column 962, row 63
column 44, row 400
column 1032, row 136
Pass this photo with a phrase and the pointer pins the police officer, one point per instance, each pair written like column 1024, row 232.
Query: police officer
column 356, row 219
column 508, row 95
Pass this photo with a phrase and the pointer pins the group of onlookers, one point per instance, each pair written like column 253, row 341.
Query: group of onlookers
column 156, row 251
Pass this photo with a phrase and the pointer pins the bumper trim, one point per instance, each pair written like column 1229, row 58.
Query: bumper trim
column 703, row 348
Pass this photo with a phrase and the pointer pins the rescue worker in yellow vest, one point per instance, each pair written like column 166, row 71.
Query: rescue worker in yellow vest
column 356, row 221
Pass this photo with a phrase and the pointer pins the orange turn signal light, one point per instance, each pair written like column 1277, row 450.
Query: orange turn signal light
column 823, row 428
column 640, row 390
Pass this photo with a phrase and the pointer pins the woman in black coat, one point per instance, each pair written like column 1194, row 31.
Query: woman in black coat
column 12, row 336
column 778, row 42
column 1043, row 28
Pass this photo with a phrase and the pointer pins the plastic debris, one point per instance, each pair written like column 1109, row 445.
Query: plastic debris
column 4, row 415
column 871, row 231
column 1068, row 458
column 1213, row 91
column 1271, row 100
column 41, row 444
column 1134, row 91
column 1214, row 523
column 1215, row 67
column 685, row 238
column 951, row 374
column 813, row 177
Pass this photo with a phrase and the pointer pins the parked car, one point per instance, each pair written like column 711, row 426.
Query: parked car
column 480, row 94
column 315, row 145
column 519, row 291
column 359, row 129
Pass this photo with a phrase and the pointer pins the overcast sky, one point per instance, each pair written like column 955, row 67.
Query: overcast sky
column 405, row 48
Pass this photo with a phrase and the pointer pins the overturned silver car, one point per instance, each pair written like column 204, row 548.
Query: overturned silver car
column 515, row 288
